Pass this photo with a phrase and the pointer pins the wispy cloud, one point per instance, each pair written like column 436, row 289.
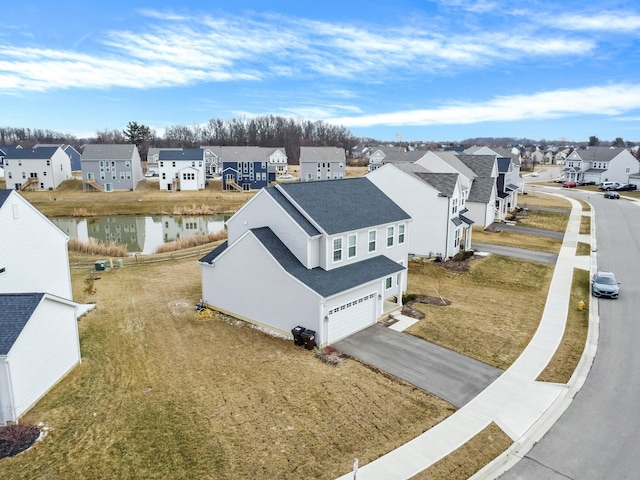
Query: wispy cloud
column 611, row 23
column 171, row 49
column 608, row 100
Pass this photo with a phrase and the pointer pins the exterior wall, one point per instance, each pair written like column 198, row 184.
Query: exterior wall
column 262, row 211
column 279, row 159
column 34, row 251
column 621, row 167
column 52, row 332
column 310, row 171
column 397, row 252
column 482, row 214
column 247, row 282
column 49, row 176
column 255, row 175
column 120, row 174
column 170, row 169
column 429, row 213
column 6, row 402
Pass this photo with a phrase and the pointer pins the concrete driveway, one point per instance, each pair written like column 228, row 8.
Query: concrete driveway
column 442, row 372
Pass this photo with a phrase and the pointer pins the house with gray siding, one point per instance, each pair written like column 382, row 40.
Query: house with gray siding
column 322, row 163
column 341, row 267
column 110, row 167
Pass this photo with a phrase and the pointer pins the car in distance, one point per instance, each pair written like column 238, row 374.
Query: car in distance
column 569, row 184
column 609, row 186
column 612, row 195
column 627, row 186
column 605, row 284
column 535, row 174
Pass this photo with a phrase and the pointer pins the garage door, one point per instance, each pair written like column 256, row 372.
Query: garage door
column 351, row 317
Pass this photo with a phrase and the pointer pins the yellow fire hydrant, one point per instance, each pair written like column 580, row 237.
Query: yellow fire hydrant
column 580, row 305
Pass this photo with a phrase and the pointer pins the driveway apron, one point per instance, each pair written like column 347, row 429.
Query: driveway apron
column 440, row 371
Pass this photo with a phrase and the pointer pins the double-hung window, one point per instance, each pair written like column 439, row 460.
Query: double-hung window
column 352, row 243
column 337, row 249
column 390, row 233
column 372, row 241
column 401, row 234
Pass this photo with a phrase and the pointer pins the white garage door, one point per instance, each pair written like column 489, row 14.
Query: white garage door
column 351, row 317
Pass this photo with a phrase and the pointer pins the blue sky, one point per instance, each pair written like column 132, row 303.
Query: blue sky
column 441, row 70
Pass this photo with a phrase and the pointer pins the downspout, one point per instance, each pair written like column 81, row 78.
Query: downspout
column 13, row 415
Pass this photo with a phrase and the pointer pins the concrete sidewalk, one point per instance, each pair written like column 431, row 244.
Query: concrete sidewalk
column 523, row 408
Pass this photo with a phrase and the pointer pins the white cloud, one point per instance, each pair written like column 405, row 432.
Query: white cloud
column 621, row 22
column 609, row 100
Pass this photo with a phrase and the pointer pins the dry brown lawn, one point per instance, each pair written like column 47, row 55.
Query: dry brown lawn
column 161, row 394
column 519, row 240
column 495, row 307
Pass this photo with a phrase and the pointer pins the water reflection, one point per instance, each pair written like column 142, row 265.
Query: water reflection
column 140, row 234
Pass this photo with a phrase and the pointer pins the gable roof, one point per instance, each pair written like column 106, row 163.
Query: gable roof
column 108, row 151
column 15, row 311
column 397, row 156
column 503, row 164
column 326, row 282
column 445, row 183
column 186, row 154
column 292, row 211
column 481, row 189
column 482, row 165
column 322, row 154
column 598, row 154
column 38, row 153
column 451, row 158
column 244, row 154
column 213, row 254
column 343, row 205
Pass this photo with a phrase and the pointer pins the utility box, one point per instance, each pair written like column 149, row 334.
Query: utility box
column 100, row 266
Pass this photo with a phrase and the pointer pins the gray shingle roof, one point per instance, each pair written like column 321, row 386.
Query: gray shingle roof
column 108, row 151
column 293, row 212
column 451, row 158
column 394, row 156
column 4, row 194
column 15, row 311
column 183, row 154
column 599, row 154
column 244, row 154
column 344, row 205
column 326, row 282
column 31, row 153
column 322, row 154
column 481, row 189
column 445, row 183
column 482, row 165
column 213, row 254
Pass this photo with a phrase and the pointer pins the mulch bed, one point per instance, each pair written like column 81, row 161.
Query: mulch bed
column 17, row 438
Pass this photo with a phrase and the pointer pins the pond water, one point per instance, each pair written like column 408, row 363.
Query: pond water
column 141, row 234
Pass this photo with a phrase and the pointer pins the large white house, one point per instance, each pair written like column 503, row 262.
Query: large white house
column 42, row 168
column 182, row 169
column 39, row 340
column 600, row 164
column 436, row 203
column 341, row 267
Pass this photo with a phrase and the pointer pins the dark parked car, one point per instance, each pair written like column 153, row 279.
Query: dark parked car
column 612, row 195
column 569, row 184
column 627, row 186
column 605, row 284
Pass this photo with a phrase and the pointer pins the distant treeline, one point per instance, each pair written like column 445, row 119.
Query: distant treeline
column 266, row 131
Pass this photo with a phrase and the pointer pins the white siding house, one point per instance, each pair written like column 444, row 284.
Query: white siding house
column 42, row 168
column 33, row 257
column 182, row 169
column 436, row 204
column 600, row 164
column 38, row 346
column 341, row 268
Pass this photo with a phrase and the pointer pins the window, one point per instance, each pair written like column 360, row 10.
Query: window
column 162, row 164
column 173, row 164
column 127, row 164
column 388, row 283
column 352, row 241
column 390, row 236
column 372, row 241
column 454, row 205
column 48, row 163
column 400, row 234
column 337, row 249
column 457, row 237
column 121, row 175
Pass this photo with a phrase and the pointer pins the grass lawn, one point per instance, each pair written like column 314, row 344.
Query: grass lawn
column 161, row 394
column 486, row 319
column 514, row 239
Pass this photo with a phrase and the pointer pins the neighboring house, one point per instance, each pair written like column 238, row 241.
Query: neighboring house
column 477, row 181
column 153, row 155
column 72, row 153
column 322, row 163
column 181, row 169
column 600, row 164
column 278, row 161
column 110, row 167
column 39, row 344
column 39, row 340
column 245, row 175
column 276, row 158
column 301, row 254
column 434, row 201
column 42, row 168
column 34, row 255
